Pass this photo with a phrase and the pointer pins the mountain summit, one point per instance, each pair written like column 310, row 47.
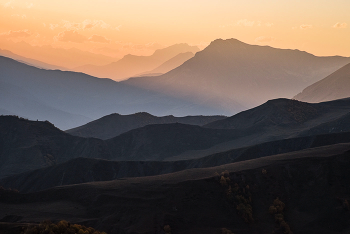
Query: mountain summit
column 131, row 65
column 232, row 74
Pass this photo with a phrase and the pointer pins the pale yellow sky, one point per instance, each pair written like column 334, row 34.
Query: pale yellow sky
column 118, row 27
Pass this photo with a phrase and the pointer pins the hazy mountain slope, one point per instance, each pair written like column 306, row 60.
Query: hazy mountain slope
column 83, row 170
column 228, row 72
column 334, row 86
column 29, row 61
column 19, row 101
column 170, row 64
column 131, row 65
column 68, row 58
column 115, row 124
column 80, row 94
column 313, row 185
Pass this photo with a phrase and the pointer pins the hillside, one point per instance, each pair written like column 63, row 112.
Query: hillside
column 193, row 201
column 171, row 142
column 335, row 86
column 83, row 170
column 131, row 65
column 28, row 145
column 81, row 98
column 235, row 76
column 115, row 124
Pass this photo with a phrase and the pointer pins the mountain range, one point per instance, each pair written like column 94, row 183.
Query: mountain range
column 69, row 99
column 131, row 65
column 115, row 124
column 235, row 76
column 40, row 144
column 30, row 62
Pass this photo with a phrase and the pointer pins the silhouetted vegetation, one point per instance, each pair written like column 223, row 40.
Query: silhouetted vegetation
column 167, row 229
column 277, row 211
column 226, row 231
column 238, row 196
column 62, row 227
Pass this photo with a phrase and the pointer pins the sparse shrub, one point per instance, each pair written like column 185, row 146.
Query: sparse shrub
column 272, row 210
column 223, row 181
column 277, row 211
column 47, row 227
column 226, row 231
column 246, row 212
column 167, row 229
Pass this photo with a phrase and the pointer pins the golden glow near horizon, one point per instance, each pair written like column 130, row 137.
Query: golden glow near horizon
column 115, row 28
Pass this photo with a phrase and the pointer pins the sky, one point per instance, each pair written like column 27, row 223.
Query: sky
column 114, row 28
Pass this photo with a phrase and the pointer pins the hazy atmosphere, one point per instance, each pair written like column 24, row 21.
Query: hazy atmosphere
column 174, row 117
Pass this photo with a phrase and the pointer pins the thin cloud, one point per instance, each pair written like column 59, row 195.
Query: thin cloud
column 53, row 26
column 30, row 5
column 70, row 36
column 305, row 26
column 16, row 34
column 85, row 25
column 8, row 4
column 90, row 24
column 118, row 28
column 340, row 25
column 99, row 39
column 245, row 23
column 263, row 39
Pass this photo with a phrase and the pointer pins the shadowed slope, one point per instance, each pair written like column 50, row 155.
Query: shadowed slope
column 312, row 183
column 83, row 170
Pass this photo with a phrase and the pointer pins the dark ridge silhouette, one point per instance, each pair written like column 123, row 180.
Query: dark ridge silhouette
column 83, row 170
column 312, row 184
column 235, row 75
column 115, row 124
column 70, row 99
column 43, row 144
column 335, row 86
column 131, row 65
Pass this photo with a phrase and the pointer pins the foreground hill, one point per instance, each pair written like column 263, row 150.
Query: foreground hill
column 115, row 124
column 334, row 86
column 131, row 65
column 83, row 170
column 311, row 187
column 81, row 97
column 232, row 74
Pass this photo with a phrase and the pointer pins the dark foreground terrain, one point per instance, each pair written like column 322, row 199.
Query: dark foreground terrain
column 312, row 183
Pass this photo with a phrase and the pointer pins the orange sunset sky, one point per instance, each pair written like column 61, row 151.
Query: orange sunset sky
column 112, row 28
